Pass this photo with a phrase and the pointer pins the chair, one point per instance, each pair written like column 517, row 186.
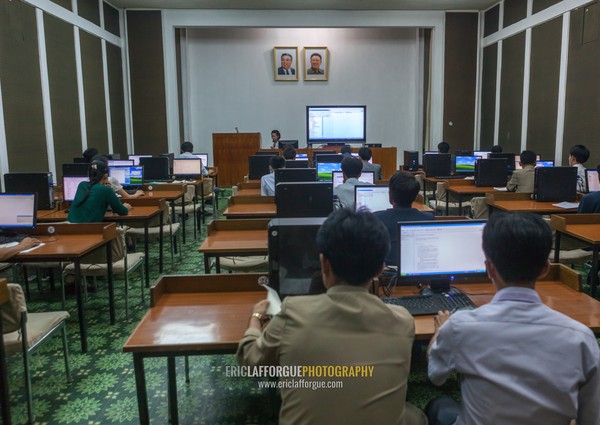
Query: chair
column 190, row 201
column 94, row 264
column 169, row 229
column 25, row 332
column 479, row 208
column 245, row 264
column 439, row 204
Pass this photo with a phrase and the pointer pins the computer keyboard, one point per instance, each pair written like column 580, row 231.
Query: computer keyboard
column 11, row 238
column 421, row 305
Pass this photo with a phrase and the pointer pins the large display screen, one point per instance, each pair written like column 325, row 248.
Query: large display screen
column 336, row 123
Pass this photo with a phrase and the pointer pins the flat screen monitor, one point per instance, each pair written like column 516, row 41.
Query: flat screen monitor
column 120, row 162
column 591, row 177
column 365, row 177
column 80, row 160
column 430, row 153
column 296, row 163
column 187, row 167
column 510, row 159
column 282, row 144
column 440, row 250
column 538, row 158
column 295, row 175
column 301, row 156
column 136, row 158
column 437, row 165
column 490, row 172
column 555, row 184
column 75, row 169
column 317, row 152
column 325, row 170
column 482, row 154
column 465, row 164
column 18, row 210
column 336, row 123
column 128, row 176
column 70, row 185
column 372, row 198
column 155, row 168
column 355, row 155
column 203, row 157
column 304, row 199
column 40, row 183
column 267, row 153
column 544, row 164
column 258, row 166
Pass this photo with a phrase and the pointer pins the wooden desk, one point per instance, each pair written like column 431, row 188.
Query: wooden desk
column 432, row 181
column 461, row 188
column 71, row 242
column 522, row 202
column 208, row 314
column 234, row 238
column 4, row 391
column 585, row 227
column 251, row 207
column 248, row 192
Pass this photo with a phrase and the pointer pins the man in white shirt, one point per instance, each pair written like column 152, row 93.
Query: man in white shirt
column 351, row 169
column 186, row 152
column 267, row 182
column 578, row 155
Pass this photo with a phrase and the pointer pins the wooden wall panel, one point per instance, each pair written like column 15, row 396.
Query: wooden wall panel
column 488, row 96
column 511, row 93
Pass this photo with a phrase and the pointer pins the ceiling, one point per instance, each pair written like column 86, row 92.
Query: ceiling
column 308, row 4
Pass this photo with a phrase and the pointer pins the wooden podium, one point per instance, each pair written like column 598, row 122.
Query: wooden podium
column 231, row 151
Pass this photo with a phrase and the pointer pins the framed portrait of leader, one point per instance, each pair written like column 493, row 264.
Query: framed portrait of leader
column 285, row 63
column 316, row 64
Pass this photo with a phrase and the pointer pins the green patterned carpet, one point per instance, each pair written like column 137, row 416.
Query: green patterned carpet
column 102, row 390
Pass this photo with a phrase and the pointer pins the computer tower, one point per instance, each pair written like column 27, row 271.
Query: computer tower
column 411, row 160
column 490, row 172
column 284, row 175
column 437, row 164
column 40, row 183
column 304, row 199
column 555, row 184
column 258, row 166
column 294, row 264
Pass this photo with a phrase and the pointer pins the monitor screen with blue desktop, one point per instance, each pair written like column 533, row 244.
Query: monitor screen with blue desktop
column 336, row 123
column 18, row 210
column 429, row 250
column 128, row 176
column 325, row 170
column 301, row 155
column 465, row 164
column 372, row 198
column 70, row 185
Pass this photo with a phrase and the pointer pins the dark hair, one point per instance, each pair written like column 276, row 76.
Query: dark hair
column 277, row 133
column 518, row 244
column 365, row 236
column 496, row 149
column 346, row 149
column 352, row 167
column 289, row 153
column 187, row 147
column 287, row 54
column 404, row 188
column 316, row 54
column 443, row 147
column 97, row 170
column 528, row 157
column 365, row 153
column 580, row 152
column 89, row 154
column 277, row 162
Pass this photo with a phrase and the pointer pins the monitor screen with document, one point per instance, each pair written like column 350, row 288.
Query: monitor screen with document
column 593, row 184
column 365, row 177
column 373, row 198
column 128, row 176
column 187, row 167
column 17, row 210
column 70, row 185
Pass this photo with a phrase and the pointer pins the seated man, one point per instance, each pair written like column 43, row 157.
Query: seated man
column 289, row 153
column 590, row 203
column 522, row 180
column 346, row 151
column 404, row 189
column 267, row 182
column 365, row 154
column 578, row 155
column 346, row 326
column 186, row 152
column 352, row 169
column 521, row 361
column 443, row 147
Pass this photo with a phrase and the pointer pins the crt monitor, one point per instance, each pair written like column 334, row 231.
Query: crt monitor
column 203, row 157
column 295, row 175
column 187, row 167
column 128, row 176
column 336, row 123
column 555, row 184
column 75, row 169
column 40, row 183
column 70, row 185
column 155, row 168
column 430, row 250
column 465, row 164
column 18, row 210
column 120, row 162
column 365, row 177
column 304, row 199
column 282, row 144
column 136, row 158
column 592, row 182
column 373, row 198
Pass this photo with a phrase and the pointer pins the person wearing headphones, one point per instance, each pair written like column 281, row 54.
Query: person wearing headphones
column 93, row 197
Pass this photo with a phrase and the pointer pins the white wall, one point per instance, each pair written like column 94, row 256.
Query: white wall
column 231, row 82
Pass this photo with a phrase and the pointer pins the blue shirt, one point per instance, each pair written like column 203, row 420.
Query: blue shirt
column 267, row 185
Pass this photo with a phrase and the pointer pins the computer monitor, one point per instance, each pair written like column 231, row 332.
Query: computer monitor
column 538, row 158
column 171, row 157
column 203, row 157
column 18, row 211
column 490, row 172
column 120, row 162
column 592, row 182
column 155, row 168
column 465, row 164
column 75, row 169
column 258, row 166
column 325, row 170
column 355, row 155
column 321, row 152
column 555, row 184
column 267, row 153
column 293, row 256
column 437, row 165
column 128, row 176
column 136, row 158
column 336, row 123
column 282, row 144
column 295, row 175
column 301, row 156
column 70, row 185
column 365, row 177
column 80, row 160
column 187, row 167
column 296, row 163
column 304, row 199
column 40, row 183
column 482, row 154
column 372, row 198
column 430, row 153
column 544, row 164
column 510, row 160
column 430, row 250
